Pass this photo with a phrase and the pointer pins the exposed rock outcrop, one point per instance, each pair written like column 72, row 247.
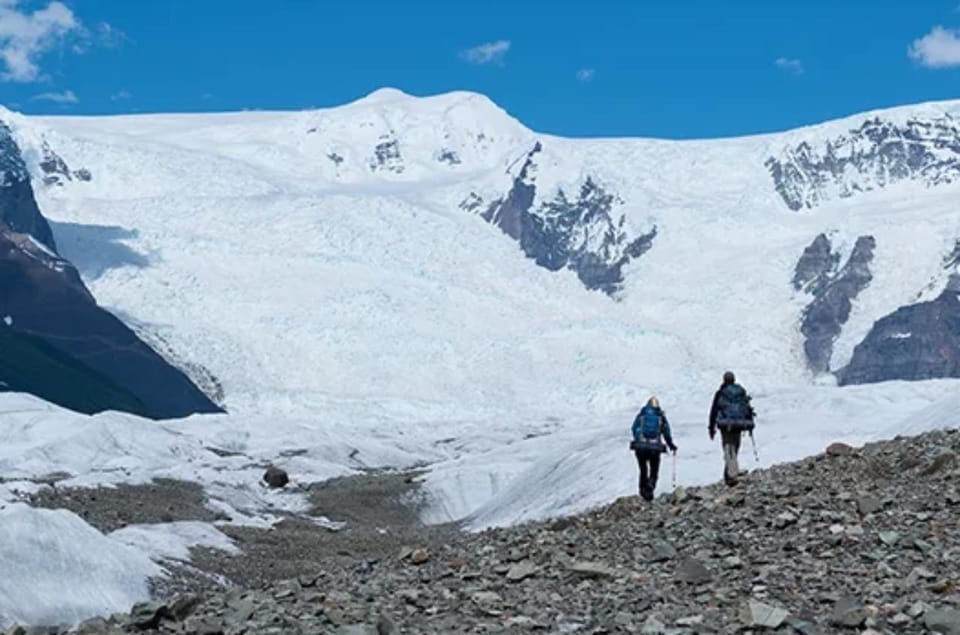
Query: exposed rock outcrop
column 920, row 341
column 57, row 172
column 18, row 207
column 583, row 234
column 873, row 156
column 833, row 293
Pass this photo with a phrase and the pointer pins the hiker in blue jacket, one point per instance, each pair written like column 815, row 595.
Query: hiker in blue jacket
column 649, row 427
column 732, row 413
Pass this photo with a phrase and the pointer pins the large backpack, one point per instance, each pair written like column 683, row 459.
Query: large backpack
column 734, row 403
column 650, row 423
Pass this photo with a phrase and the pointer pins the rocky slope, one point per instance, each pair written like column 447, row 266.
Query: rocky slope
column 853, row 540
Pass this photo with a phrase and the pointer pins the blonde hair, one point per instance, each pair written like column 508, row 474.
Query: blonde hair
column 654, row 402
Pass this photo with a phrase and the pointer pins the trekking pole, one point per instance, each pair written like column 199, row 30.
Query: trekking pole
column 674, row 471
column 753, row 442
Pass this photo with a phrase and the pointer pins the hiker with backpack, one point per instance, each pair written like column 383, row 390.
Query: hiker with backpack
column 732, row 413
column 651, row 438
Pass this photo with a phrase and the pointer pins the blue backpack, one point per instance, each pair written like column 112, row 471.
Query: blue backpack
column 734, row 403
column 649, row 420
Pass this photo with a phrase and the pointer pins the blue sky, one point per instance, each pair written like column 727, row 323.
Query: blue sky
column 595, row 68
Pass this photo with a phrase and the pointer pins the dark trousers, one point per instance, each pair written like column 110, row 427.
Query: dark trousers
column 731, row 448
column 649, row 462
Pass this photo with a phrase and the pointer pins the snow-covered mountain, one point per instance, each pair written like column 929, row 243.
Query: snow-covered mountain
column 407, row 280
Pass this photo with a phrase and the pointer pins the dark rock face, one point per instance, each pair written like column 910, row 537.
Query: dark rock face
column 582, row 234
column 921, row 341
column 870, row 157
column 816, row 265
column 833, row 293
column 28, row 364
column 43, row 297
column 18, row 208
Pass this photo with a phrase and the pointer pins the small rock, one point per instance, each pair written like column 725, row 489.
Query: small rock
column 592, row 569
column 759, row 615
column 486, row 598
column 410, row 596
column 889, row 538
column 521, row 571
column 93, row 626
column 917, row 609
column 943, row 621
column 868, row 504
column 941, row 586
column 693, row 571
column 945, row 460
column 653, row 626
column 419, row 556
column 899, row 619
column 887, row 571
column 784, row 520
column 849, row 613
column 196, row 625
column 307, row 581
column 147, row 615
column 692, row 620
column 275, row 477
column 661, row 551
column 385, row 625
column 840, row 449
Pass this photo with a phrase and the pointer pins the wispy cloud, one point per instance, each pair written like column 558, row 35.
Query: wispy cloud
column 25, row 37
column 121, row 95
column 790, row 65
column 65, row 97
column 586, row 74
column 487, row 52
column 940, row 48
column 110, row 36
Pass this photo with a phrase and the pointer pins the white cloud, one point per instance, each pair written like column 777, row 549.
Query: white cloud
column 940, row 48
column 110, row 36
column 121, row 95
column 487, row 52
column 791, row 65
column 25, row 37
column 586, row 74
column 65, row 97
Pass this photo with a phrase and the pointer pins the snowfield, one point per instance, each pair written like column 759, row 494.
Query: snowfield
column 319, row 266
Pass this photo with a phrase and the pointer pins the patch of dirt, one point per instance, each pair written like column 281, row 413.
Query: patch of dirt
column 112, row 508
column 380, row 512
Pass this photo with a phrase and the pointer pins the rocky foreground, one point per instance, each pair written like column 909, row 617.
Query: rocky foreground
column 853, row 541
